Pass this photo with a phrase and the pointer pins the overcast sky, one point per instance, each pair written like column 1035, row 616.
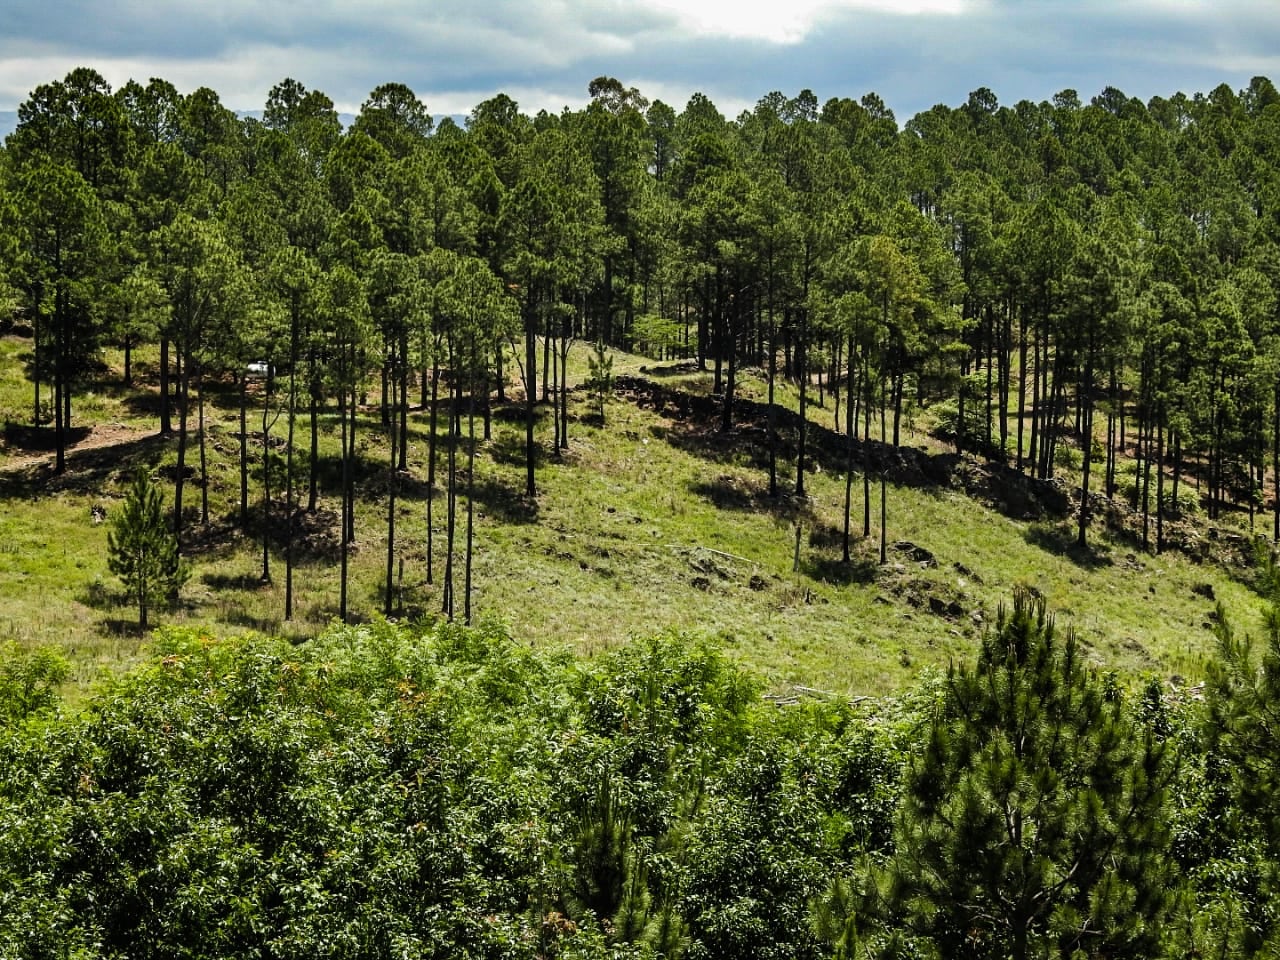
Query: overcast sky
column 455, row 53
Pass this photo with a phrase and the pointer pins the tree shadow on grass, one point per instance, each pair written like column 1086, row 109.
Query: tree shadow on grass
column 88, row 471
column 494, row 498
column 1060, row 540
column 123, row 627
column 859, row 569
column 695, row 422
column 239, row 617
column 508, row 448
column 43, row 439
column 736, row 493
column 243, row 582
column 514, row 413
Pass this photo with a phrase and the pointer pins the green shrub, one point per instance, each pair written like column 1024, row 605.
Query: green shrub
column 29, row 681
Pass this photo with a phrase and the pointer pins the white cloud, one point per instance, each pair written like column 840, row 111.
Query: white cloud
column 786, row 22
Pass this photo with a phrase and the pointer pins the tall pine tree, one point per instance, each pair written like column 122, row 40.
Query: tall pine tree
column 1034, row 822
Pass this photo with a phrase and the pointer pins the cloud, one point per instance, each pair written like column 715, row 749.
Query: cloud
column 455, row 53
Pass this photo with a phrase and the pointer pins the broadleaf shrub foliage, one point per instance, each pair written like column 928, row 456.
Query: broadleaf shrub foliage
column 440, row 791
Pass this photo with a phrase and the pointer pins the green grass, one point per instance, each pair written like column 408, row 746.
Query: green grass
column 646, row 524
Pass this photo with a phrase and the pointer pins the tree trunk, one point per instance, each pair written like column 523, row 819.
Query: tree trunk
column 866, row 450
column 184, row 362
column 1160, row 479
column 531, row 388
column 471, row 489
column 288, row 469
column 884, row 544
column 344, row 547
column 431, row 465
column 313, row 471
column 244, row 450
column 564, row 392
column 850, row 433
column 204, row 460
column 803, row 372
column 1022, row 383
column 773, row 413
column 166, row 422
column 451, row 500
column 266, row 479
column 393, row 437
column 1086, row 445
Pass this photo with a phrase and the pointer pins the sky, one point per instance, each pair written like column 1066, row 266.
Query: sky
column 543, row 53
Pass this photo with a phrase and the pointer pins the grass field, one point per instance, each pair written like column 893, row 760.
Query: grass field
column 652, row 521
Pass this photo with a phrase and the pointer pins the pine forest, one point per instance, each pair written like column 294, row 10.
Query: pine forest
column 636, row 532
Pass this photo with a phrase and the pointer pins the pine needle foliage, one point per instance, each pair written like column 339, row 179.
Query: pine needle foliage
column 1035, row 822
column 600, row 380
column 142, row 551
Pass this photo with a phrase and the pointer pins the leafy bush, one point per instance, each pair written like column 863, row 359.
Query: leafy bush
column 1188, row 501
column 29, row 681
column 945, row 416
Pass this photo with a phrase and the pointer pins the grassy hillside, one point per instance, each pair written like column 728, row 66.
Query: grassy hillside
column 654, row 520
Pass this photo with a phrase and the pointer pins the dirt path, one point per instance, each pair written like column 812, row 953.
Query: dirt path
column 100, row 435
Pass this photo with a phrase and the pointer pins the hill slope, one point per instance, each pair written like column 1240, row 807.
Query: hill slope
column 654, row 521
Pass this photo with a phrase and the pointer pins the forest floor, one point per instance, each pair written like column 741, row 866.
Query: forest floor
column 654, row 520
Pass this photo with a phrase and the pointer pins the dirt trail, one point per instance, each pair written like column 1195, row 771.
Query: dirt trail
column 100, row 435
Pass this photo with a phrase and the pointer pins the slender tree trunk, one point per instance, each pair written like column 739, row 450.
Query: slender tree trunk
column 184, row 361
column 850, row 433
column 204, row 460
column 1160, row 479
column 313, row 464
column 244, row 450
column 402, row 403
column 37, row 328
column 1006, row 360
column 773, row 410
column 531, row 394
column 1033, row 450
column 1275, row 462
column 59, row 385
column 345, row 439
column 1176, row 439
column 1086, row 445
column 471, row 490
column 393, row 437
column 897, row 408
column 866, row 450
column 726, row 422
column 555, row 396
column 884, row 527
column 451, row 501
column 1146, row 482
column 564, row 392
column 266, row 480
column 546, row 362
column 990, row 398
column 1022, row 383
column 288, row 467
column 803, row 364
column 166, row 422
column 431, row 466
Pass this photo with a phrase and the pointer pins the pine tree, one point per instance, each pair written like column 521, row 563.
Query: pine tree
column 1237, row 827
column 142, row 551
column 600, row 377
column 1035, row 820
